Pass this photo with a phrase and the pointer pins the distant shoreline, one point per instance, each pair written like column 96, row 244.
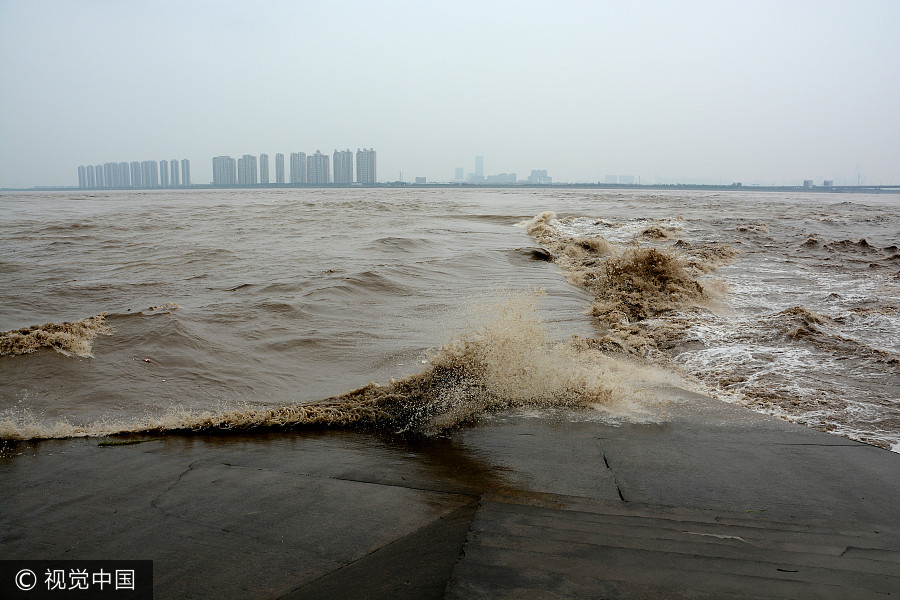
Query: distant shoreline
column 838, row 189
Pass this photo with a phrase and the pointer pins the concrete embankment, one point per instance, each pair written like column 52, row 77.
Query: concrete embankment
column 713, row 502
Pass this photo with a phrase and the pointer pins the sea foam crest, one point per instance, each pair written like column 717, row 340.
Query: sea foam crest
column 69, row 338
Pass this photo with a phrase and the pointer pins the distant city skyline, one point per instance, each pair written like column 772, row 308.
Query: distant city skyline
column 763, row 92
column 253, row 170
column 310, row 169
column 145, row 174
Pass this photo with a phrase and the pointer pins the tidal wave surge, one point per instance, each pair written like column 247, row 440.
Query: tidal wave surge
column 833, row 368
column 504, row 359
column 786, row 304
column 633, row 283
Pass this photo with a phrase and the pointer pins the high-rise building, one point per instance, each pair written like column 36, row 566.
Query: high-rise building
column 458, row 176
column 279, row 168
column 149, row 174
column 110, row 175
column 124, row 175
column 365, row 166
column 246, row 170
column 264, row 169
column 479, row 169
column 185, row 172
column 136, row 172
column 134, row 175
column 224, row 170
column 298, row 167
column 317, row 169
column 252, row 168
column 343, row 166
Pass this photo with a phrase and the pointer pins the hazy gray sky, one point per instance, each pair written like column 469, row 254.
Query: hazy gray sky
column 753, row 91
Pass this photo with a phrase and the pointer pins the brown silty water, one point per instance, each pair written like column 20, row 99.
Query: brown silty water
column 270, row 309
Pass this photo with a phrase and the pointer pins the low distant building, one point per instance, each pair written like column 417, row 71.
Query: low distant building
column 539, row 177
column 501, row 179
column 828, row 183
column 420, row 180
column 808, row 184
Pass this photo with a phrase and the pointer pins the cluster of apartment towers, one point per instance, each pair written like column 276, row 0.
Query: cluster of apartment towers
column 136, row 175
column 309, row 169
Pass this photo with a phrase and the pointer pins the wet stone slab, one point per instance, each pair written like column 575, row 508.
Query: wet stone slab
column 710, row 501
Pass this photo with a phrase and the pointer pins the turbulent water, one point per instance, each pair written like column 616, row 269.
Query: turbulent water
column 218, row 310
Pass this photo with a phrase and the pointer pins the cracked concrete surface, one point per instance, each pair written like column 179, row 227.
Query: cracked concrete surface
column 513, row 506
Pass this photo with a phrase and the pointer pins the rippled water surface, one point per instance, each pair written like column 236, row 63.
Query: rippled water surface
column 274, row 297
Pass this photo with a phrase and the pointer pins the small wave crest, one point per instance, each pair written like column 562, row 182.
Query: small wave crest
column 758, row 227
column 660, row 232
column 71, row 338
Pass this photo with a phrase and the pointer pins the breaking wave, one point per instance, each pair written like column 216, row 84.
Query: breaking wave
column 504, row 359
column 655, row 297
column 632, row 283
